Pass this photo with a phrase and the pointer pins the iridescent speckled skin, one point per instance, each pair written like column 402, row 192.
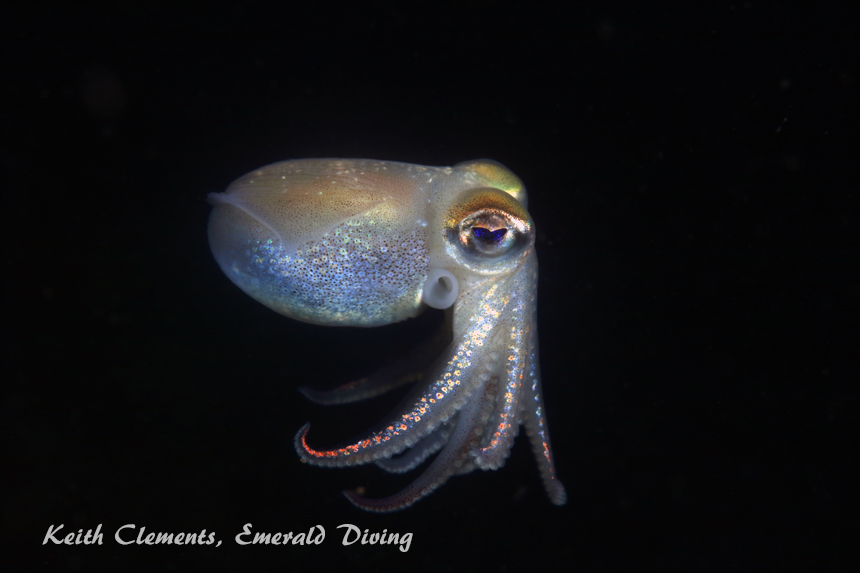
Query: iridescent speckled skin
column 352, row 242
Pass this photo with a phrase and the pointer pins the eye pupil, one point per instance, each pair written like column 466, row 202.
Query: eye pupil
column 488, row 236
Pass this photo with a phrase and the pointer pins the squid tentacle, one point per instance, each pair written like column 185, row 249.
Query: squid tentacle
column 468, row 366
column 537, row 431
column 415, row 456
column 433, row 407
column 457, row 452
column 506, row 423
column 407, row 370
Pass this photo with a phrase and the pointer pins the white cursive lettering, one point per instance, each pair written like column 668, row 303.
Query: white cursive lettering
column 367, row 538
column 281, row 538
column 89, row 538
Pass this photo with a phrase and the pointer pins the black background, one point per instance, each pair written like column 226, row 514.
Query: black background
column 692, row 174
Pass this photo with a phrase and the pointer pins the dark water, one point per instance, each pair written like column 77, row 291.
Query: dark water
column 692, row 176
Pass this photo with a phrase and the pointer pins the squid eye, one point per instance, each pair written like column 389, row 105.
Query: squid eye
column 487, row 227
column 488, row 236
column 489, row 233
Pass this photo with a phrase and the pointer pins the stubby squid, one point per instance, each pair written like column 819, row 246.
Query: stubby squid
column 357, row 242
